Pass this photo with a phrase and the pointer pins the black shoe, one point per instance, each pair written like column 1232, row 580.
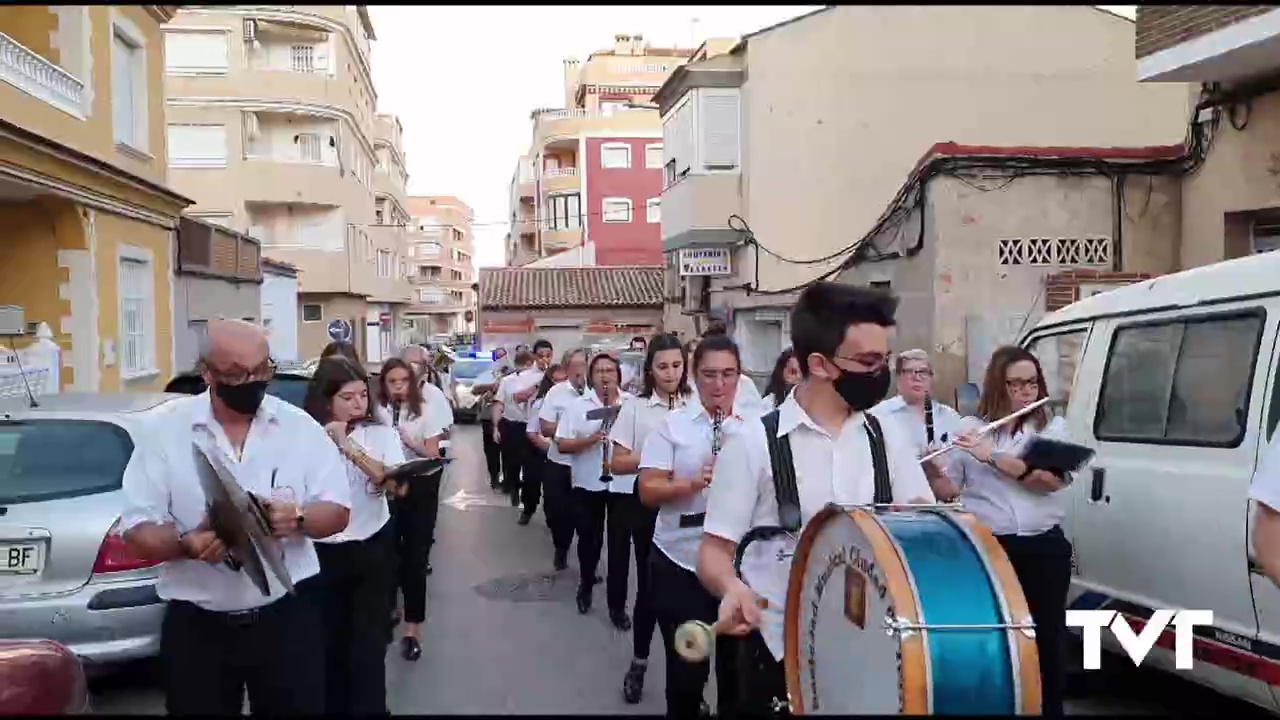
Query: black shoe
column 633, row 683
column 584, row 601
column 524, row 519
column 704, row 710
column 410, row 648
column 515, row 499
column 561, row 560
column 620, row 620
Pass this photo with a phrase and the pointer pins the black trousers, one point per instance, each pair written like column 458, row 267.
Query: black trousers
column 644, row 622
column 492, row 452
column 598, row 512
column 678, row 597
column 355, row 597
column 1043, row 566
column 762, row 679
column 276, row 652
column 559, row 508
column 535, row 462
column 413, row 522
column 514, row 449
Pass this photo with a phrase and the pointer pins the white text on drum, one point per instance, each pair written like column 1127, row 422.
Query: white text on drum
column 1138, row 645
column 850, row 556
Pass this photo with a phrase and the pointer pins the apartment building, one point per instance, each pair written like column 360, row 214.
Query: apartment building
column 88, row 219
column 591, row 180
column 441, row 267
column 273, row 130
column 753, row 129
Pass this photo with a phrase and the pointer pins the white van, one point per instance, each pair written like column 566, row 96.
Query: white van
column 1173, row 382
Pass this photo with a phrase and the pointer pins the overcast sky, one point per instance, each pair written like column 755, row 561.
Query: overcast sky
column 464, row 79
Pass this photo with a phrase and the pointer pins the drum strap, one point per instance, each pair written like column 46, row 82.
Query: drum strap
column 784, row 469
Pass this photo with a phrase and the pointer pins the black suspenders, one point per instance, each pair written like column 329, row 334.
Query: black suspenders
column 784, row 469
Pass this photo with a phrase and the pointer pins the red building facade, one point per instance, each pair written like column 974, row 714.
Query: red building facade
column 622, row 184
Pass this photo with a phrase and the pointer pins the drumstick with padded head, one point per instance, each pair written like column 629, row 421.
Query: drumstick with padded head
column 693, row 639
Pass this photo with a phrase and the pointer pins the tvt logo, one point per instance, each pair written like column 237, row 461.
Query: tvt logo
column 1138, row 645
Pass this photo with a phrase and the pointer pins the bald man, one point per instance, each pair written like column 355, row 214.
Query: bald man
column 221, row 636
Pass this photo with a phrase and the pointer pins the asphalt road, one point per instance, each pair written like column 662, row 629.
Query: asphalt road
column 503, row 635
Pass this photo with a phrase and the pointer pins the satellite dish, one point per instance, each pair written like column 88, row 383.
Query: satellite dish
column 340, row 331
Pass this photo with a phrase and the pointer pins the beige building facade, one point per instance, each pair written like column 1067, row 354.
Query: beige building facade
column 442, row 270
column 273, row 130
column 809, row 183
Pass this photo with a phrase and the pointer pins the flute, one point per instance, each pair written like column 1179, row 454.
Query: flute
column 989, row 427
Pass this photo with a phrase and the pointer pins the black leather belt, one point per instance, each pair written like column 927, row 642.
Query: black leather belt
column 692, row 520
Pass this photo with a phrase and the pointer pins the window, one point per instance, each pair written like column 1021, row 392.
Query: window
column 302, row 58
column 653, row 210
column 312, row 313
column 36, row 467
column 385, row 263
column 197, row 146
column 1059, row 357
column 564, row 212
column 378, row 216
column 1184, row 382
column 617, row 210
column 1265, row 236
column 136, row 292
column 653, row 157
column 308, row 147
column 195, row 53
column 718, row 128
column 615, row 155
column 128, row 89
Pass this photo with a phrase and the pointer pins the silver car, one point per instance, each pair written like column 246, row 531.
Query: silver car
column 65, row 572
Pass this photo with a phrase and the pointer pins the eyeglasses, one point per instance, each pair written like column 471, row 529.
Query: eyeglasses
column 870, row 362
column 239, row 376
column 918, row 373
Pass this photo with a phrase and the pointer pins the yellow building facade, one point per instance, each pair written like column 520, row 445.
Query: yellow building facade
column 88, row 221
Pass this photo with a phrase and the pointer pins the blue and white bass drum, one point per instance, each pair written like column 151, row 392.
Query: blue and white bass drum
column 914, row 612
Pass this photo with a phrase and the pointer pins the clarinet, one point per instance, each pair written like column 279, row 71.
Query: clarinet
column 717, row 433
column 928, row 419
column 605, row 452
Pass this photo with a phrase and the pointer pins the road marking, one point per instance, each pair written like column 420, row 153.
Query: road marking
column 463, row 500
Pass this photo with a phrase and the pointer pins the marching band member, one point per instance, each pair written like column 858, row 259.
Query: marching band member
column 485, row 387
column 926, row 421
column 437, row 403
column 676, row 467
column 421, row 427
column 748, row 396
column 665, row 387
column 345, row 349
column 508, row 421
column 598, row 499
column 1021, row 506
column 535, row 470
column 357, row 565
column 841, row 335
column 531, row 485
column 557, row 476
column 786, row 375
column 220, row 635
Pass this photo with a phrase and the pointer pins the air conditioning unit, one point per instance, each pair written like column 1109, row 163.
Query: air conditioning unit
column 251, row 31
column 696, row 297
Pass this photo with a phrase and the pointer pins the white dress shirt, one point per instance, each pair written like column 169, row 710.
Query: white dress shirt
column 284, row 448
column 946, row 421
column 532, row 425
column 996, row 499
column 681, row 445
column 369, row 510
column 828, row 470
column 512, row 384
column 639, row 417
column 558, row 398
column 1265, row 485
column 419, row 427
column 585, row 465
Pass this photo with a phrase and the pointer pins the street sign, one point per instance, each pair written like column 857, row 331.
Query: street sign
column 339, row 330
column 704, row 262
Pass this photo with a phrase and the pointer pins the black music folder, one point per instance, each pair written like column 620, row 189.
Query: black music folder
column 1055, row 456
column 418, row 467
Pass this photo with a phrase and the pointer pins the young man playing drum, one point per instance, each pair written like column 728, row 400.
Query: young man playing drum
column 841, row 337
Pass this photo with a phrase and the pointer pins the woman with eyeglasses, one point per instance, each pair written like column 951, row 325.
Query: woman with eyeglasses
column 675, row 471
column 356, row 565
column 786, row 375
column 664, row 389
column 928, row 423
column 421, row 431
column 1024, row 508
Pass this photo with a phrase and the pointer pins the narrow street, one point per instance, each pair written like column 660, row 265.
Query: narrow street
column 503, row 636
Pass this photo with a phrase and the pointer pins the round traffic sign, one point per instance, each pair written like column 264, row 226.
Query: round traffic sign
column 340, row 330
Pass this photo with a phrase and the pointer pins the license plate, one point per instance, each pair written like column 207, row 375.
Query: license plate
column 20, row 558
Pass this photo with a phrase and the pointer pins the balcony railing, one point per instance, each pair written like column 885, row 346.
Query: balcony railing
column 560, row 172
column 40, row 78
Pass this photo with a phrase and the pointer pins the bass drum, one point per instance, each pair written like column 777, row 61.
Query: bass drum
column 914, row 612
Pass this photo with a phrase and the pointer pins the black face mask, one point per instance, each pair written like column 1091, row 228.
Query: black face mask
column 244, row 398
column 862, row 390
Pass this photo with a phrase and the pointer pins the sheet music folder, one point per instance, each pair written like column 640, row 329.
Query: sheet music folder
column 1055, row 455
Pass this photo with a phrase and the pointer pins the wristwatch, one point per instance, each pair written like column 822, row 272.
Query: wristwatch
column 300, row 517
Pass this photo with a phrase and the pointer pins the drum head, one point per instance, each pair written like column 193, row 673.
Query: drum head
column 846, row 579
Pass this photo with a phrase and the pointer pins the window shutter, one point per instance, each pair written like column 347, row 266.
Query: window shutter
column 121, row 91
column 197, row 145
column 719, row 137
column 204, row 52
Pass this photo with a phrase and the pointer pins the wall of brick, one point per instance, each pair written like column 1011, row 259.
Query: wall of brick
column 1062, row 289
column 1160, row 27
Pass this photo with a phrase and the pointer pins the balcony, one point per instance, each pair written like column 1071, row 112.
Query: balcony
column 40, row 78
column 386, row 183
column 561, row 128
column 560, row 180
column 524, row 226
column 558, row 240
column 269, row 180
column 1193, row 43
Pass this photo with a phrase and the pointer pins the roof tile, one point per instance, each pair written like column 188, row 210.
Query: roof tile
column 622, row 286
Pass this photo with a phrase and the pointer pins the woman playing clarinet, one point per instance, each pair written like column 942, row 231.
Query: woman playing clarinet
column 927, row 422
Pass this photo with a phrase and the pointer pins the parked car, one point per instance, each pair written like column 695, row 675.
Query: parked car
column 463, row 374
column 41, row 677
column 1173, row 382
column 66, row 573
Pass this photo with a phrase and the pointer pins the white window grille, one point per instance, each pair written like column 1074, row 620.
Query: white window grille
column 137, row 324
column 1088, row 251
column 302, row 58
